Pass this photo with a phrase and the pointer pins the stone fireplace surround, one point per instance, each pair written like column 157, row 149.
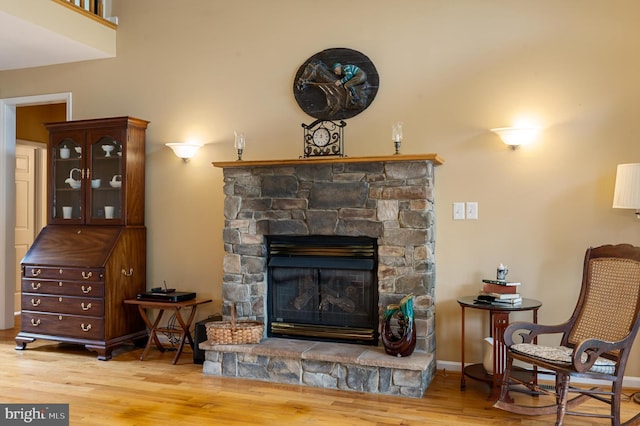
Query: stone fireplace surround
column 387, row 198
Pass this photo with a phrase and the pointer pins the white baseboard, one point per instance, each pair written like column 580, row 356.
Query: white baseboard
column 628, row 381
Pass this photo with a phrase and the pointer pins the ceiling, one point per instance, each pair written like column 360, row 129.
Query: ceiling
column 25, row 45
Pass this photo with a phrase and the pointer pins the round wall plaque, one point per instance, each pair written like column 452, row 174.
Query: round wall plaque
column 336, row 84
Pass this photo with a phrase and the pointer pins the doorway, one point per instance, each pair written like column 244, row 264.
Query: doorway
column 31, row 178
column 8, row 126
column 29, row 197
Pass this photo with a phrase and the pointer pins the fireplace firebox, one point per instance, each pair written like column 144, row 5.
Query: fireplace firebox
column 322, row 288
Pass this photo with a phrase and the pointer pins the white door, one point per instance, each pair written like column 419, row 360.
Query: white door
column 26, row 205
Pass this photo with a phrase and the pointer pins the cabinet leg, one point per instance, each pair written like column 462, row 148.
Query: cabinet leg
column 21, row 342
column 104, row 354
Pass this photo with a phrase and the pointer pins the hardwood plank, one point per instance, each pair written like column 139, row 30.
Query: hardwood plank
column 126, row 391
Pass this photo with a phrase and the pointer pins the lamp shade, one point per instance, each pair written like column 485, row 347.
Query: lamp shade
column 516, row 136
column 184, row 150
column 627, row 191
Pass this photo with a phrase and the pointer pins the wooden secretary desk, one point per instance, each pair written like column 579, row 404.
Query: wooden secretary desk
column 92, row 254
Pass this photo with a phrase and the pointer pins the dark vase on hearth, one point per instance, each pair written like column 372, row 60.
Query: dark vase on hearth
column 399, row 339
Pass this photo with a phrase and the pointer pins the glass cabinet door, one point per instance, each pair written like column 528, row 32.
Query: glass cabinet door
column 96, row 172
column 66, row 196
column 105, row 179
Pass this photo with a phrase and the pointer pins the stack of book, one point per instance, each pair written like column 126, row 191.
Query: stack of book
column 500, row 292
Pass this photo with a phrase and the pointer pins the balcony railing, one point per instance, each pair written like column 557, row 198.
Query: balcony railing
column 94, row 9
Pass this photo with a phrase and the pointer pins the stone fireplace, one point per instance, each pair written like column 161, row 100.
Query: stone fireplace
column 386, row 199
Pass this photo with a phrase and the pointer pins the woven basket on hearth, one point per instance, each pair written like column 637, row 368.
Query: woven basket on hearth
column 234, row 332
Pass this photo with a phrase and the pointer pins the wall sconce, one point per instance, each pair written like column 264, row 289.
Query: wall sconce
column 627, row 190
column 516, row 136
column 185, row 150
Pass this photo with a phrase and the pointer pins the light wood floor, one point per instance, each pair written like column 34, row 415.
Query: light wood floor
column 126, row 391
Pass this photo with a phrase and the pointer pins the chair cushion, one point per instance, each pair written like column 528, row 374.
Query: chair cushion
column 561, row 355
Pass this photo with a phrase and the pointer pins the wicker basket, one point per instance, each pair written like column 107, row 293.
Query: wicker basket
column 234, row 332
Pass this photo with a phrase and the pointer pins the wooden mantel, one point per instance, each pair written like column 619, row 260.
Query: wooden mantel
column 323, row 160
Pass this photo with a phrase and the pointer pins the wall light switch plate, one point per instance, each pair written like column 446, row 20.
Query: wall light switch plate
column 472, row 210
column 458, row 211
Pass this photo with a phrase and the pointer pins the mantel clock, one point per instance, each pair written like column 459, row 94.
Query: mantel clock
column 323, row 138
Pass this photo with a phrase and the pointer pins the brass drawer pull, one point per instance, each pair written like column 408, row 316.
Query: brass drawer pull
column 36, row 272
column 127, row 274
column 59, row 283
column 85, row 328
column 36, row 286
column 34, row 322
column 59, row 299
column 87, row 276
column 85, row 308
column 86, row 290
column 35, row 302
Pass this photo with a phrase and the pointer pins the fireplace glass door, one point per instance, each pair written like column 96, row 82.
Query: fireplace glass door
column 324, row 292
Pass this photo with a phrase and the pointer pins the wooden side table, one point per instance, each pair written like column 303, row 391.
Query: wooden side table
column 183, row 331
column 499, row 319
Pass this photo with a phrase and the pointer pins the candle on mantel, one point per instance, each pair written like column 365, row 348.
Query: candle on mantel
column 239, row 143
column 396, row 132
column 396, row 136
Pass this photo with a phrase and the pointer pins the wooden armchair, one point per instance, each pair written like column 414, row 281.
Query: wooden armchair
column 595, row 342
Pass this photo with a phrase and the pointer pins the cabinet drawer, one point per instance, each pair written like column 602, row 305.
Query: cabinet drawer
column 62, row 273
column 79, row 327
column 65, row 288
column 63, row 304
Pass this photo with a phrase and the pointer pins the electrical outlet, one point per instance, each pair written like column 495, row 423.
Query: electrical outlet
column 458, row 211
column 472, row 210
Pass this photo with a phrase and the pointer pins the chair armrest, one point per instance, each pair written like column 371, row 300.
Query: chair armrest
column 527, row 331
column 593, row 348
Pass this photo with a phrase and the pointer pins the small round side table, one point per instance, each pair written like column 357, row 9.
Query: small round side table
column 499, row 320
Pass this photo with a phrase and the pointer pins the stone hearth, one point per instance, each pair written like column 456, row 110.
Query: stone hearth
column 322, row 364
column 387, row 198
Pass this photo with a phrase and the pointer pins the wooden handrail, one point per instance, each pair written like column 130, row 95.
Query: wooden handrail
column 93, row 9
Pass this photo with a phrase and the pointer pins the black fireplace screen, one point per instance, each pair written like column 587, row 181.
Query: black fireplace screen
column 323, row 288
